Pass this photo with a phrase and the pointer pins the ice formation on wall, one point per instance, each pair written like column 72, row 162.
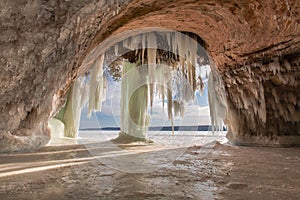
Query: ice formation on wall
column 57, row 128
column 217, row 101
column 85, row 90
column 69, row 115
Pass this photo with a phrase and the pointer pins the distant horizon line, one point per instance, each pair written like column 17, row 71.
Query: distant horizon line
column 159, row 128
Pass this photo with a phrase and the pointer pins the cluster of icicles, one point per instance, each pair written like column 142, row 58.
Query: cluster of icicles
column 162, row 79
column 86, row 90
column 150, row 75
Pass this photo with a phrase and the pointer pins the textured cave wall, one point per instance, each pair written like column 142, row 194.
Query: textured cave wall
column 264, row 102
column 43, row 44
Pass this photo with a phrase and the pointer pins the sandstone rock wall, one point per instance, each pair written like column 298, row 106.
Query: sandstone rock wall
column 41, row 43
column 263, row 101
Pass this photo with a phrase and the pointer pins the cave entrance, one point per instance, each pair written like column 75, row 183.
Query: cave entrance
column 145, row 82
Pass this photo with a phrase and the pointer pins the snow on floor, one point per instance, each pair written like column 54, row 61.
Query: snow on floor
column 141, row 157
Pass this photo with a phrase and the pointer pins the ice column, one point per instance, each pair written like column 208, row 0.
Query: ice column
column 134, row 101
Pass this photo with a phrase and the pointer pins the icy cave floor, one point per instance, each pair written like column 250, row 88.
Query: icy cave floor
column 187, row 165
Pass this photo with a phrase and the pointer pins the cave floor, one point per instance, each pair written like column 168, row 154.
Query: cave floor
column 151, row 171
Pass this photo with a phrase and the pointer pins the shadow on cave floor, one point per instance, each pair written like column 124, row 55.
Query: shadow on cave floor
column 100, row 170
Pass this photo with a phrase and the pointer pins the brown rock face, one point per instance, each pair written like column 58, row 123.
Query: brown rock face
column 254, row 44
column 263, row 102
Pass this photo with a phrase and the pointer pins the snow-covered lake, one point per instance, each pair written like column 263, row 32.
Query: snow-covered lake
column 141, row 157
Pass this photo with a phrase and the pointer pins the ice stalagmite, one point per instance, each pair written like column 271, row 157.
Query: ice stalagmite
column 96, row 86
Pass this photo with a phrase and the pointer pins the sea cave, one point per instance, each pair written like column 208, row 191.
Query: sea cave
column 63, row 61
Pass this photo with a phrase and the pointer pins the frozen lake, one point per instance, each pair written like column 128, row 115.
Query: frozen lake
column 186, row 165
column 180, row 138
column 143, row 157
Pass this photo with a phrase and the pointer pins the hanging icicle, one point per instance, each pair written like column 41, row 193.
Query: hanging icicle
column 100, row 94
column 116, row 49
column 178, row 108
column 96, row 86
column 143, row 47
column 151, row 49
column 117, row 2
column 193, row 53
column 84, row 94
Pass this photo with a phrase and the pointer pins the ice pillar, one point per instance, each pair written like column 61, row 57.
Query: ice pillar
column 134, row 101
